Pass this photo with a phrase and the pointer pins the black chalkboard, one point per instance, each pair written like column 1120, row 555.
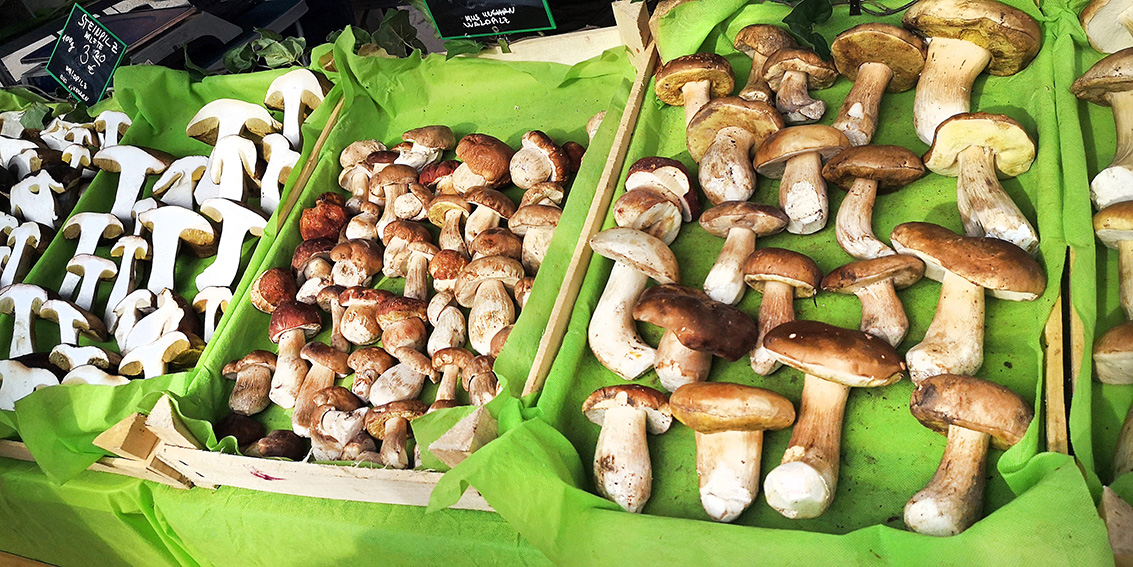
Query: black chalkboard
column 473, row 18
column 85, row 56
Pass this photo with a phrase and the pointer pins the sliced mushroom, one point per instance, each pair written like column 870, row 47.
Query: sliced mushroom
column 211, row 303
column 132, row 250
column 88, row 229
column 230, row 117
column 73, row 321
column 231, row 165
column 92, row 271
column 152, row 360
column 236, row 222
column 33, row 199
column 168, row 226
column 132, row 164
column 26, row 241
column 18, row 381
column 111, row 126
column 295, row 92
column 23, row 302
column 281, row 159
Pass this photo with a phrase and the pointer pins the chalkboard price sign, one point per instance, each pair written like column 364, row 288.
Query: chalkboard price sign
column 85, row 56
column 473, row 18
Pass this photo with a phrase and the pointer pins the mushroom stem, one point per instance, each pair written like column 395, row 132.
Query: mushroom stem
column 985, row 208
column 794, row 101
column 482, row 388
column 393, row 443
column 696, row 95
column 953, row 499
column 857, row 118
column 290, row 369
column 953, row 343
column 480, row 220
column 725, row 281
column 678, row 365
column 450, row 378
column 1111, row 184
column 727, row 463
column 317, row 378
column 777, row 308
column 491, row 311
column 945, row 86
column 1125, row 276
column 802, row 194
column 338, row 341
column 756, row 89
column 612, row 333
column 250, row 396
column 726, row 172
column 390, row 193
column 417, row 277
column 450, row 237
column 803, row 485
column 853, row 228
column 1123, row 455
column 883, row 316
column 622, row 469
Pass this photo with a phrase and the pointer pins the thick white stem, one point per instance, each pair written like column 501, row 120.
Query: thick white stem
column 491, row 311
column 125, row 282
column 857, row 118
column 1123, row 455
column 678, row 365
column 290, row 369
column 945, row 86
column 728, row 466
column 777, row 307
column 1125, row 276
column 450, row 378
column 417, row 277
column 696, row 95
column 393, row 443
column 291, row 122
column 757, row 89
column 622, row 470
column 726, row 172
column 883, row 316
column 482, row 388
column 802, row 194
column 450, row 237
column 612, row 332
column 87, row 288
column 1115, row 183
column 853, row 227
column 953, row 343
column 88, row 241
column 985, row 208
column 794, row 101
column 725, row 281
column 317, row 378
column 953, row 499
column 480, row 220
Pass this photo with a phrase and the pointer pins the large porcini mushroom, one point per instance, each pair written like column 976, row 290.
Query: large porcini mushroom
column 339, row 417
column 281, row 159
column 17, row 381
column 22, row 302
column 168, row 226
column 491, row 206
column 153, row 359
column 652, row 211
column 612, row 333
column 92, row 270
column 327, row 363
column 741, row 223
column 25, row 242
column 33, row 199
column 292, row 323
column 497, row 241
column 722, row 137
column 1108, row 25
column 132, row 164
column 253, row 382
column 729, row 421
column 971, row 412
column 88, row 228
column 781, row 276
column 446, row 211
column 1110, row 83
column 874, row 282
column 73, row 321
column 623, row 471
column 402, row 320
column 448, row 322
column 759, row 41
column 539, row 159
column 483, row 286
column 692, row 80
column 360, row 320
column 211, row 303
column 486, row 162
column 833, row 360
column 230, row 117
column 271, row 288
column 864, row 171
column 795, row 156
column 965, row 37
column 791, row 73
column 389, row 423
column 356, row 262
column 1113, row 226
column 965, row 266
column 325, row 219
column 878, row 58
column 428, row 144
column 295, row 92
column 236, row 222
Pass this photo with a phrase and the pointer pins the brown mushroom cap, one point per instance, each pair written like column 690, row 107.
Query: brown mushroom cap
column 361, row 295
column 902, row 269
column 406, row 409
column 433, row 173
column 1012, row 36
column 820, row 73
column 280, row 443
column 324, row 220
column 1014, row 149
column 361, row 251
column 318, row 247
column 892, row 167
column 326, row 356
column 759, row 118
column 440, row 206
column 487, row 157
column 999, row 266
column 534, row 216
column 771, row 158
column 672, row 76
column 338, row 397
column 256, row 358
column 714, row 407
column 658, row 418
column 540, row 193
column 358, row 151
column 371, row 358
column 652, row 257
column 272, row 287
column 764, row 39
column 399, row 308
column 482, row 364
column 763, row 220
column 452, row 356
column 780, row 265
column 1112, row 74
column 496, row 241
column 437, row 136
column 972, row 403
column 446, row 264
column 489, row 268
column 699, row 322
column 1114, row 223
column 487, row 197
column 846, row 356
column 658, row 173
column 894, row 47
column 406, row 231
column 394, row 174
column 294, row 315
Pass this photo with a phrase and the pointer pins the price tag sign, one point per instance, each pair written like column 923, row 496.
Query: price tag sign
column 85, row 56
column 473, row 18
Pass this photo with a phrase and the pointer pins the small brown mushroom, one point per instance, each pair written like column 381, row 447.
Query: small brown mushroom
column 389, row 423
column 253, row 381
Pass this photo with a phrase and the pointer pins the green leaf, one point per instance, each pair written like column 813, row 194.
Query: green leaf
column 80, row 113
column 280, row 54
column 333, row 36
column 269, row 34
column 196, row 72
column 33, row 115
column 396, row 34
column 239, row 59
column 455, row 47
column 804, row 17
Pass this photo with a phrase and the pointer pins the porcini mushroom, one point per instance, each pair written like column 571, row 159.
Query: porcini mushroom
column 252, row 374
column 295, row 92
column 445, row 268
column 486, row 162
column 33, row 199
column 272, row 287
column 389, row 423
column 68, row 357
column 22, row 302
column 491, row 206
column 327, row 363
column 448, row 322
column 692, row 80
column 360, row 320
column 1113, row 226
column 151, row 360
column 132, row 250
column 111, row 125
column 402, row 320
column 539, row 159
column 536, row 224
column 450, row 362
column 874, row 282
column 231, row 165
column 428, row 144
column 26, row 241
column 211, row 303
column 722, row 137
column 230, row 117
column 1110, row 83
column 1113, row 355
column 88, row 228
column 92, row 270
column 623, row 471
column 479, row 380
column 73, row 321
column 292, row 323
column 795, row 156
column 667, row 176
column 280, row 159
column 781, row 276
column 368, row 364
column 759, row 41
column 132, row 164
column 168, row 226
column 741, row 223
column 236, row 222
column 18, row 381
column 792, row 72
column 483, row 286
column 446, row 211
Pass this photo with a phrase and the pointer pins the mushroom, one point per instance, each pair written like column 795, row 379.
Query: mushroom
column 90, row 374
column 874, row 282
column 92, row 270
column 965, row 266
column 368, row 364
column 73, row 320
column 173, row 313
column 1107, row 24
column 623, row 472
column 729, row 421
column 271, row 288
column 1113, row 355
column 760, row 41
column 111, row 125
column 281, row 159
column 414, row 204
column 292, row 323
column 26, row 240
column 402, row 320
column 252, row 374
column 338, row 419
column 438, row 177
column 522, row 291
column 612, row 334
column 480, row 381
column 499, row 340
column 33, row 199
column 389, row 423
column 971, row 412
column 490, row 207
column 78, row 158
column 428, row 144
column 211, row 302
column 448, row 322
column 539, row 159
column 1113, row 226
column 833, row 360
column 449, row 362
column 791, row 72
column 132, row 164
column 168, row 226
column 863, row 171
column 483, row 286
column 445, row 267
column 18, row 381
column 280, row 443
column 356, row 262
column 536, row 224
column 1110, row 83
column 965, row 37
column 151, row 359
column 294, row 92
column 497, row 242
column 143, row 205
column 364, row 224
column 741, row 223
column 446, row 211
column 23, row 302
column 696, row 327
column 89, row 229
column 976, row 147
column 360, row 320
column 1123, row 454
column 795, row 156
column 781, row 276
column 68, row 357
column 413, row 263
column 236, row 221
column 129, row 311
column 722, row 137
column 878, row 58
column 692, row 80
column 328, row 300
column 230, row 117
column 486, row 163
column 667, row 176
column 545, row 193
column 132, row 250
column 327, row 363
column 231, row 164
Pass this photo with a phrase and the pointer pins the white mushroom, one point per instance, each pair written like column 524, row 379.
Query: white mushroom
column 17, row 381
column 132, row 164
column 22, row 302
column 89, row 229
column 237, row 221
column 230, row 117
column 25, row 240
column 293, row 92
column 175, row 186
column 92, row 270
column 33, row 200
column 111, row 124
column 90, row 374
column 280, row 161
column 132, row 249
column 231, row 163
column 168, row 227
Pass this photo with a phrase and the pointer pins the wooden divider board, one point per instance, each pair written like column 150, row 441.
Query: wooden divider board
column 114, row 465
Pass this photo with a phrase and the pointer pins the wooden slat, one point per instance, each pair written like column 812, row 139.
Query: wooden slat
column 309, row 167
column 1057, row 434
column 572, row 281
column 9, row 560
column 164, row 422
column 129, row 439
column 114, row 465
column 15, row 450
column 633, row 27
column 1077, row 339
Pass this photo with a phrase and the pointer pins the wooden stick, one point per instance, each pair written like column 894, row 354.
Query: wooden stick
column 1057, row 434
column 285, row 207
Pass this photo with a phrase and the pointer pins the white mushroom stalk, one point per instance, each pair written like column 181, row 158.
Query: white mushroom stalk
column 133, row 164
column 725, row 281
column 728, row 464
column 22, row 302
column 621, row 458
column 953, row 499
column 857, row 118
column 90, row 229
column 883, row 315
column 237, row 221
column 168, row 226
column 678, row 365
column 953, row 343
column 232, row 160
column 294, row 91
column 725, row 172
column 93, row 269
column 399, row 382
column 985, row 208
column 33, row 199
column 26, row 241
column 491, row 311
column 17, row 381
column 281, row 159
column 794, row 100
column 777, row 307
column 132, row 249
column 945, row 87
column 1113, row 184
column 393, row 443
column 853, row 227
column 802, row 194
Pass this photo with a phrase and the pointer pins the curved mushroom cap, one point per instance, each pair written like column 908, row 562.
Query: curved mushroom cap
column 405, row 231
column 655, row 403
column 1113, row 355
column 649, row 210
column 371, row 358
column 555, row 158
column 398, row 308
column 226, row 116
column 489, row 268
column 1114, row 223
column 644, row 253
column 358, row 151
column 446, row 264
column 902, row 269
column 894, row 47
column 486, row 156
column 440, row 206
column 436, row 136
column 892, row 167
column 672, row 76
column 714, row 407
column 999, row 266
column 487, row 197
column 302, row 82
column 313, row 248
column 1014, row 149
column 272, row 287
column 433, row 174
column 846, row 356
column 1102, row 21
column 294, row 315
column 452, row 356
column 819, row 73
column 496, row 241
column 394, row 174
column 699, row 322
column 534, row 216
column 543, row 193
column 667, row 175
column 786, row 266
column 254, row 359
column 338, row 397
column 759, row 118
column 971, row 403
column 64, row 312
column 763, row 39
column 778, row 148
column 763, row 220
column 1012, row 36
column 405, row 409
column 361, row 295
column 326, row 356
column 480, row 365
column 1112, row 74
